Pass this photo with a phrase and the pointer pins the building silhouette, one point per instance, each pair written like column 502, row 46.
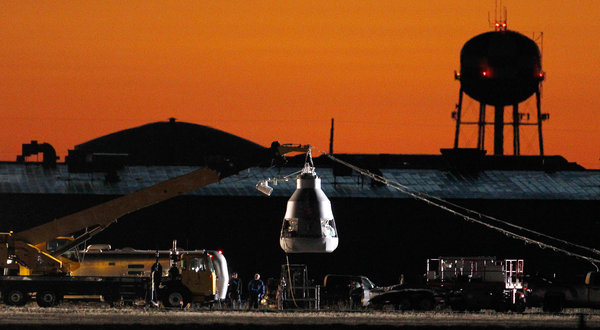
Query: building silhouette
column 383, row 232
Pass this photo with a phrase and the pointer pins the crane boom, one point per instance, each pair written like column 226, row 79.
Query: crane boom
column 27, row 248
column 106, row 213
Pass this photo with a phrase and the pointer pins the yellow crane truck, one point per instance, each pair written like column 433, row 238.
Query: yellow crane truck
column 42, row 261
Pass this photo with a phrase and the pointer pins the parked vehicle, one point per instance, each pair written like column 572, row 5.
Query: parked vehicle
column 337, row 289
column 402, row 297
column 461, row 283
column 475, row 283
column 555, row 294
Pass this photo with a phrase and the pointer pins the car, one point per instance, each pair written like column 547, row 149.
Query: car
column 337, row 288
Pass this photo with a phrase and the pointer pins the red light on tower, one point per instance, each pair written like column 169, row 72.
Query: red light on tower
column 486, row 71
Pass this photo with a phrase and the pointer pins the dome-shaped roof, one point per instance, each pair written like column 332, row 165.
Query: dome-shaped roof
column 176, row 143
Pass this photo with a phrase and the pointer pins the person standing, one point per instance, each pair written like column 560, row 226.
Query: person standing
column 234, row 291
column 256, row 289
column 156, row 274
column 357, row 295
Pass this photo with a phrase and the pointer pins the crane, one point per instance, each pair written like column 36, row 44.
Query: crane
column 28, row 250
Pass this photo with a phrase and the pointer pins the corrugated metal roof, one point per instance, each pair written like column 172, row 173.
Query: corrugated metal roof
column 18, row 178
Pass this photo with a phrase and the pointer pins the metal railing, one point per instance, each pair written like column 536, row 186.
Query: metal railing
column 306, row 297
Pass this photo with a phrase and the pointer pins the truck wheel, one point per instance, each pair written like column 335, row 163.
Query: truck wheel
column 501, row 306
column 109, row 299
column 404, row 304
column 175, row 298
column 16, row 297
column 46, row 298
column 518, row 307
column 553, row 304
column 424, row 304
column 458, row 305
column 474, row 308
column 472, row 304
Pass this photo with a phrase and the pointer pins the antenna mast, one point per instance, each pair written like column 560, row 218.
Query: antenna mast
column 500, row 22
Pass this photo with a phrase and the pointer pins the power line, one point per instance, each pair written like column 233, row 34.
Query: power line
column 464, row 213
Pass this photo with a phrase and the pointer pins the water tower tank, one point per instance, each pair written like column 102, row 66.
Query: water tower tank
column 500, row 68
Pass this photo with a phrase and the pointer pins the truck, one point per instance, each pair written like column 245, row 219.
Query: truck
column 461, row 283
column 43, row 261
column 103, row 259
column 190, row 277
column 554, row 294
column 475, row 283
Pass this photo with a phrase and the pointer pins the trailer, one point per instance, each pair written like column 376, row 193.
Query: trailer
column 48, row 291
column 475, row 283
column 461, row 283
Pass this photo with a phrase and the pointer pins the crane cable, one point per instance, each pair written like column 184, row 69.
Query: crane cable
column 290, row 285
column 438, row 202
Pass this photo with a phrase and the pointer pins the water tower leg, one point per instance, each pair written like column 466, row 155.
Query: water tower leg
column 481, row 127
column 516, row 136
column 499, row 130
column 539, row 120
column 458, row 118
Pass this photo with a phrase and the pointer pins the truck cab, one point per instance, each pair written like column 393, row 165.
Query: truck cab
column 198, row 276
column 592, row 285
column 554, row 294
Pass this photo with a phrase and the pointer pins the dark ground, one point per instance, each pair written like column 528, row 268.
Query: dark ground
column 74, row 316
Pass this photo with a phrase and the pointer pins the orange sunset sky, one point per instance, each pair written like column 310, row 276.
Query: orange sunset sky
column 72, row 71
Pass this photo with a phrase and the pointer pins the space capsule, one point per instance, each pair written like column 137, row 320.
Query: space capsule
column 308, row 225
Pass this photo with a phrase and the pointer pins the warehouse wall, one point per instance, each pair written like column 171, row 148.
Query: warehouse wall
column 380, row 238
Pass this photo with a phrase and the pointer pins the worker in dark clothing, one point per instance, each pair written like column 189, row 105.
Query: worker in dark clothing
column 256, row 290
column 173, row 272
column 234, row 291
column 156, row 274
column 357, row 294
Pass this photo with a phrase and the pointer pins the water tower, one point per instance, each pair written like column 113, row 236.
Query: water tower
column 500, row 68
